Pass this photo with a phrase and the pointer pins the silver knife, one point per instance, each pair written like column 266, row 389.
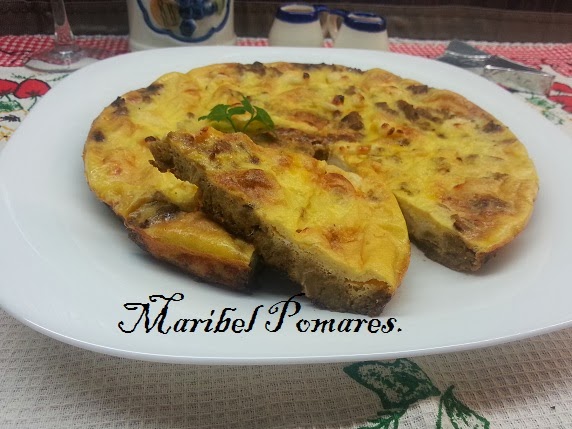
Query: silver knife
column 509, row 74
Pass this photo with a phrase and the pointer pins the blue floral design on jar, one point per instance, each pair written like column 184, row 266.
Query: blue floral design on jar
column 186, row 20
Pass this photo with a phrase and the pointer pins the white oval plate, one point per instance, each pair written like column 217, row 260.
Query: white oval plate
column 67, row 266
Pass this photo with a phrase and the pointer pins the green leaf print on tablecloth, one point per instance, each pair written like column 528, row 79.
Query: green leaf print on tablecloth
column 547, row 108
column 459, row 414
column 9, row 106
column 401, row 383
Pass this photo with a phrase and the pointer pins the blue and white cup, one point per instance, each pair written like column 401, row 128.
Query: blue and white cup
column 165, row 23
column 306, row 25
column 297, row 24
column 358, row 30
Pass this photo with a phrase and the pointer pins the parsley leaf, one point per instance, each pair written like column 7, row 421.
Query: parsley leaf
column 263, row 117
column 217, row 113
column 225, row 112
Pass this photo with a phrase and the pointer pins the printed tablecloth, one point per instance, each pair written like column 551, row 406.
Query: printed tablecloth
column 48, row 384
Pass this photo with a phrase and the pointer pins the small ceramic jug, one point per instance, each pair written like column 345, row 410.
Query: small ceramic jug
column 297, row 24
column 358, row 30
column 163, row 23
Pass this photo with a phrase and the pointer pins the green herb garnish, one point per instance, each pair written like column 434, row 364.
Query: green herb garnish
column 225, row 112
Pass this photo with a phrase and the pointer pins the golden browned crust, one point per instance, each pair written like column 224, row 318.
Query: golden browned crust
column 199, row 264
column 342, row 238
column 160, row 212
column 165, row 231
column 469, row 179
column 464, row 182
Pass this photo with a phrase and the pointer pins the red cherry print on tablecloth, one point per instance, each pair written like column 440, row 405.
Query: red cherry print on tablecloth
column 31, row 88
column 7, row 87
column 562, row 94
column 7, row 102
